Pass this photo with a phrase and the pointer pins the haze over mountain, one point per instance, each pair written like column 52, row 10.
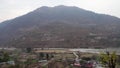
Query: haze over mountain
column 61, row 26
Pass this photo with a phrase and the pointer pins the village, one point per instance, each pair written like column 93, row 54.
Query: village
column 48, row 58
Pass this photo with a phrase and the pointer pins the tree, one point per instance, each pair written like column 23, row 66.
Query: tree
column 47, row 56
column 28, row 50
column 5, row 57
column 41, row 55
column 109, row 59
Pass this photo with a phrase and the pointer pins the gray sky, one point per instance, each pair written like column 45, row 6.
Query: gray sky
column 13, row 8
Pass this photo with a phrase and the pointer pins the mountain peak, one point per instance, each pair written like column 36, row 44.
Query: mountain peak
column 66, row 7
column 57, row 7
column 61, row 6
column 48, row 25
column 43, row 8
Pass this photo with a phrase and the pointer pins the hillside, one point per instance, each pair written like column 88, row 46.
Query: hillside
column 61, row 26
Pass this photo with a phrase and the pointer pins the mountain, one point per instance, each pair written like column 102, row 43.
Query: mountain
column 61, row 26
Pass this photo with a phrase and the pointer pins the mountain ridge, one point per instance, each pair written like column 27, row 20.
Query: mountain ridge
column 66, row 23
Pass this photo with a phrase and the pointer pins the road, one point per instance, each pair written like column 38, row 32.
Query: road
column 77, row 60
column 99, row 66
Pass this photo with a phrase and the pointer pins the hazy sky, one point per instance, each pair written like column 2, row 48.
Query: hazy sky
column 13, row 8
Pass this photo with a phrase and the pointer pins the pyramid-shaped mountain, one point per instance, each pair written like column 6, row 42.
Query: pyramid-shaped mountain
column 61, row 26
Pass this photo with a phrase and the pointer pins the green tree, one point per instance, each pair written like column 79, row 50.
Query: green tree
column 5, row 57
column 29, row 50
column 109, row 59
column 47, row 56
column 41, row 56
